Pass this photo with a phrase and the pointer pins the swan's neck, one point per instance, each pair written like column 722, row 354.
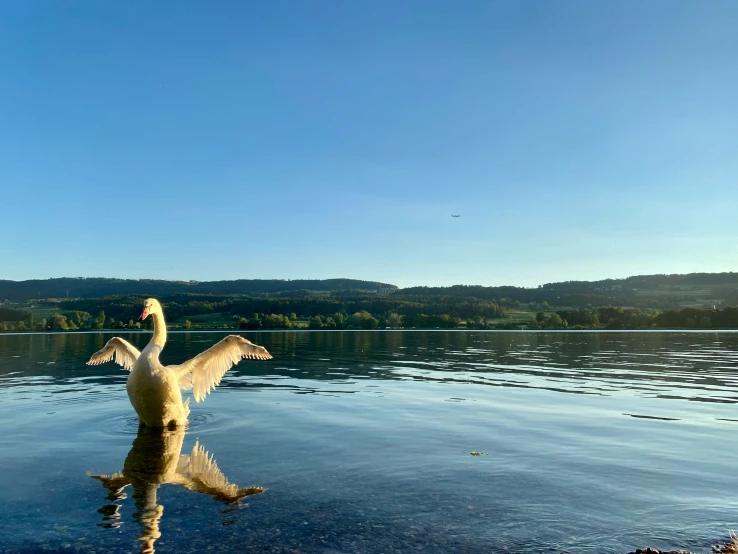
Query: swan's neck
column 149, row 515
column 160, row 331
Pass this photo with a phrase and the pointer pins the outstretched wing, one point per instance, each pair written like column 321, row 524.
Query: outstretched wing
column 124, row 352
column 203, row 372
column 111, row 512
column 199, row 472
column 115, row 483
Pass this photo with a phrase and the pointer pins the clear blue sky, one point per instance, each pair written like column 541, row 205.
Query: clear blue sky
column 285, row 139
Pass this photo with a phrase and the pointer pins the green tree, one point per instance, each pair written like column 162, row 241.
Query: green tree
column 394, row 320
column 595, row 323
column 187, row 324
column 99, row 322
column 475, row 322
column 78, row 318
column 254, row 323
column 59, row 323
column 362, row 320
column 554, row 321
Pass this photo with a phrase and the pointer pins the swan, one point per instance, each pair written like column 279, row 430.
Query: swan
column 155, row 459
column 154, row 389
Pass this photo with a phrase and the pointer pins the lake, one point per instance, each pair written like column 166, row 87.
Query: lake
column 587, row 442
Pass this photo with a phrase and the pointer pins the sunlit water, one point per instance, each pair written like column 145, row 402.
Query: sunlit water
column 591, row 442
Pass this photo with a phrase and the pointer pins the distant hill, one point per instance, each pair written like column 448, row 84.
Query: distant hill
column 94, row 287
column 643, row 291
column 698, row 290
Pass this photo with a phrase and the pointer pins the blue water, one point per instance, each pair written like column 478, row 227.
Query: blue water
column 590, row 442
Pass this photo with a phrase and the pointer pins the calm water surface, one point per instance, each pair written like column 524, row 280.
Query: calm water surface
column 591, row 442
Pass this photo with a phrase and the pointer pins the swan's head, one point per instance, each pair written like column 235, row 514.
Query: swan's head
column 151, row 306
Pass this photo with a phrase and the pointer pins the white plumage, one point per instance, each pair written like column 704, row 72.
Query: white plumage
column 155, row 390
column 124, row 352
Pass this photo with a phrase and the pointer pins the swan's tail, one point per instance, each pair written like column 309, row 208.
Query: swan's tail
column 187, row 407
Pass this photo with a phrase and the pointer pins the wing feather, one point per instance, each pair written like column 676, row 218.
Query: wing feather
column 204, row 372
column 201, row 473
column 124, row 352
column 115, row 483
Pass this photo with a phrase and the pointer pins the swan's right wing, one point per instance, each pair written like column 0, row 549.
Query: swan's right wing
column 111, row 512
column 199, row 472
column 115, row 483
column 124, row 352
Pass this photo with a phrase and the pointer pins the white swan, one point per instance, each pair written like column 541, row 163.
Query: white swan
column 154, row 389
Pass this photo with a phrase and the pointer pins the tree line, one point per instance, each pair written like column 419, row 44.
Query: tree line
column 179, row 306
column 71, row 321
column 123, row 314
column 615, row 318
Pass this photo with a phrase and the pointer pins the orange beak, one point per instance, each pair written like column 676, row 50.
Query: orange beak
column 144, row 315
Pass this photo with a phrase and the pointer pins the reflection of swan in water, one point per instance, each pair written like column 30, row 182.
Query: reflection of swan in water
column 155, row 460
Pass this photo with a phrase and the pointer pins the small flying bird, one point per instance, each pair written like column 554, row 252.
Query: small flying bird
column 455, row 216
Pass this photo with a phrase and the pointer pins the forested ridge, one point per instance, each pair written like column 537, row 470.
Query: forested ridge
column 96, row 287
column 642, row 291
column 700, row 300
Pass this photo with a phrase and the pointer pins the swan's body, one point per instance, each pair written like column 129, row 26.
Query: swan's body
column 154, row 389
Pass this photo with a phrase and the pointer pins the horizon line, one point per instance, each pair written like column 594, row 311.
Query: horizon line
column 287, row 279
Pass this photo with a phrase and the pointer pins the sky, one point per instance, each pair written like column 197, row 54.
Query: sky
column 578, row 140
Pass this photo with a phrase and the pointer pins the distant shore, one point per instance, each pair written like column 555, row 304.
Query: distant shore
column 342, row 310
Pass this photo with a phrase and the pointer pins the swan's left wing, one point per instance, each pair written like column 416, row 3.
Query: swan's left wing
column 124, row 352
column 199, row 472
column 203, row 372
